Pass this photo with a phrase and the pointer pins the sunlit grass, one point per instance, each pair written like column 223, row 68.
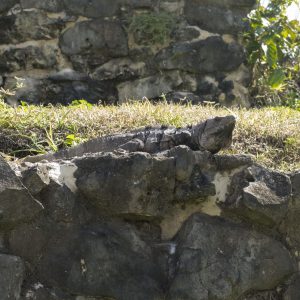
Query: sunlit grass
column 271, row 135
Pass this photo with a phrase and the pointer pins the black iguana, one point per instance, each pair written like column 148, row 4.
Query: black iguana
column 211, row 135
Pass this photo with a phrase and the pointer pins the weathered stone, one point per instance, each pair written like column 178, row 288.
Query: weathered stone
column 218, row 16
column 29, row 25
column 229, row 162
column 68, row 75
column 94, row 42
column 60, row 202
column 197, row 189
column 218, row 259
column 293, row 291
column 51, row 6
column 12, row 276
column 93, row 8
column 35, row 179
column 121, row 69
column 265, row 295
column 37, row 291
column 16, row 204
column 31, row 57
column 65, row 91
column 238, row 96
column 204, row 56
column 6, row 5
column 228, row 3
column 97, row 41
column 172, row 6
column 108, row 260
column 185, row 161
column 183, row 98
column 3, row 246
column 134, row 183
column 260, row 195
column 208, row 85
column 290, row 227
column 29, row 240
column 149, row 87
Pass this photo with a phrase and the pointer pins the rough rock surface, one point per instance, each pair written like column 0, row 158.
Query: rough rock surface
column 290, row 227
column 217, row 259
column 16, row 204
column 259, row 195
column 195, row 51
column 12, row 276
column 155, row 214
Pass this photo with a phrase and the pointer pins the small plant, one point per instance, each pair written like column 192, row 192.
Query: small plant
column 81, row 103
column 273, row 51
column 152, row 28
column 71, row 140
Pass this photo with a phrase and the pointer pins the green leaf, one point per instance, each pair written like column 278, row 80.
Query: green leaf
column 272, row 55
column 276, row 79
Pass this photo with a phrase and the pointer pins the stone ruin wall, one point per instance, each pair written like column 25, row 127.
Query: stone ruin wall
column 155, row 214
column 79, row 49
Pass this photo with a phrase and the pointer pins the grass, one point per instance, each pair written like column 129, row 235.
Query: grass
column 271, row 135
column 152, row 28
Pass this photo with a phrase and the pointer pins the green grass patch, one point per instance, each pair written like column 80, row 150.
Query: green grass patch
column 271, row 135
column 152, row 28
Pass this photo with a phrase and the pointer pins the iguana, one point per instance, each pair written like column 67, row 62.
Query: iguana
column 211, row 135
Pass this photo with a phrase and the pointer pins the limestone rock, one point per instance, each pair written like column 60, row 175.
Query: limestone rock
column 149, row 87
column 122, row 69
column 260, row 195
column 218, row 259
column 183, row 98
column 218, row 16
column 204, row 56
column 16, row 204
column 51, row 6
column 293, row 291
column 291, row 226
column 12, row 275
column 93, row 8
column 36, row 178
column 40, row 37
column 132, row 183
column 6, row 5
column 108, row 260
column 16, row 59
column 29, row 25
column 64, row 91
column 94, row 41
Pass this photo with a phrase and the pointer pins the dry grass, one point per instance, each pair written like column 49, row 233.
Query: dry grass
column 272, row 135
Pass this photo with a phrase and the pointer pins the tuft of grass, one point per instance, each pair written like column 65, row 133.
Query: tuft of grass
column 152, row 28
column 271, row 135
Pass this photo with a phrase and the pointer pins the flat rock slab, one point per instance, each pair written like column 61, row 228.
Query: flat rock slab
column 135, row 183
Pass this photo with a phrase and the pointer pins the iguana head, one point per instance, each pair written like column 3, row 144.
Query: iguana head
column 214, row 134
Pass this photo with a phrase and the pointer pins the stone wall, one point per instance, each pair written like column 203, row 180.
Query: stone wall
column 115, row 50
column 157, row 215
